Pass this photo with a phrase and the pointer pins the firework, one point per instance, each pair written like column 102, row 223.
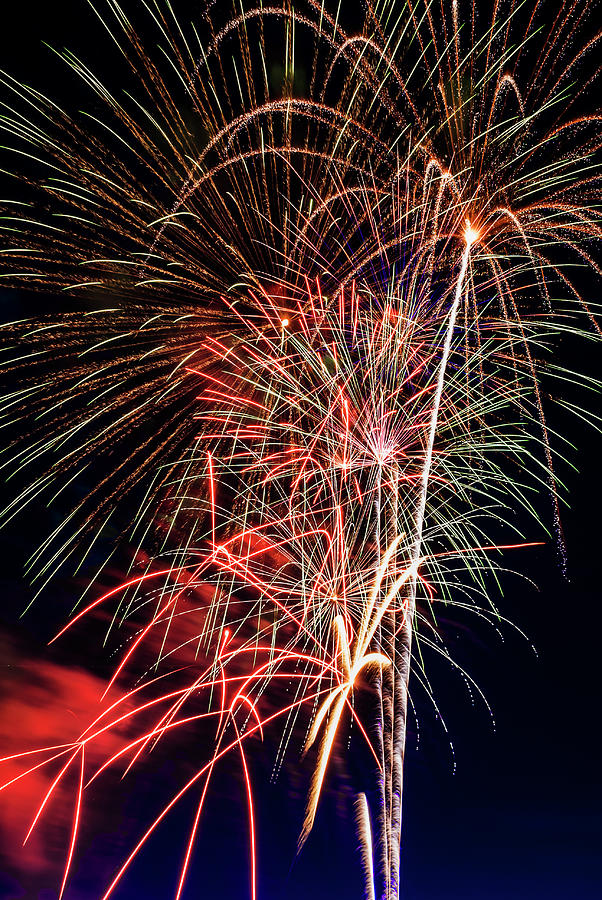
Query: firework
column 306, row 373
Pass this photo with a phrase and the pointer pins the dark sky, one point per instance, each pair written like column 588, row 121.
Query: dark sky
column 521, row 816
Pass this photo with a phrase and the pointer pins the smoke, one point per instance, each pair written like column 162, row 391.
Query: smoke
column 43, row 703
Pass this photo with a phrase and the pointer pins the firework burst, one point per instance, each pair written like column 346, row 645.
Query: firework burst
column 304, row 379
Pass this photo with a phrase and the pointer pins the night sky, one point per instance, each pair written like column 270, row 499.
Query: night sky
column 521, row 816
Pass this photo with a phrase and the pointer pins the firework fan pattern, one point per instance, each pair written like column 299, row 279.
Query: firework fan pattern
column 299, row 375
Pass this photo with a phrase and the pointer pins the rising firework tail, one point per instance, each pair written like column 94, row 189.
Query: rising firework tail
column 302, row 376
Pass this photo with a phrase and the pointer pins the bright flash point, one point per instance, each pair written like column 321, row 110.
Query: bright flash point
column 284, row 323
column 471, row 235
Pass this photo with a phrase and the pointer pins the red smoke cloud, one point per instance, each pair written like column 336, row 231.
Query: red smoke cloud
column 43, row 704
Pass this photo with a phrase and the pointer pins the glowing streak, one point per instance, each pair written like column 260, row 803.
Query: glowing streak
column 365, row 837
column 76, row 819
column 48, row 795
